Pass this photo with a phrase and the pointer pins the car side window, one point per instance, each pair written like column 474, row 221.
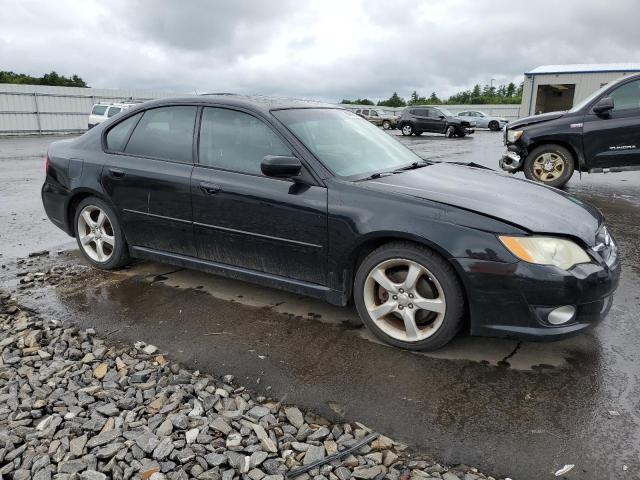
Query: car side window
column 365, row 113
column 374, row 113
column 626, row 96
column 99, row 110
column 113, row 110
column 165, row 133
column 463, row 114
column 117, row 136
column 237, row 141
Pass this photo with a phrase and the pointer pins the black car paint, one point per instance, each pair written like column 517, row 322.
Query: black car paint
column 591, row 137
column 432, row 123
column 307, row 235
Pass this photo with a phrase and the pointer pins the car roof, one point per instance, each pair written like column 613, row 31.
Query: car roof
column 252, row 102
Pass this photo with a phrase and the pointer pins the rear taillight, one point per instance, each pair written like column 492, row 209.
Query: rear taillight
column 46, row 163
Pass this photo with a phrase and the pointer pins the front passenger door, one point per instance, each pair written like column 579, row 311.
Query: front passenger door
column 612, row 139
column 243, row 218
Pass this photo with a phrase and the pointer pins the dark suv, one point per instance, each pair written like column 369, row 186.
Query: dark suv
column 418, row 119
column 600, row 134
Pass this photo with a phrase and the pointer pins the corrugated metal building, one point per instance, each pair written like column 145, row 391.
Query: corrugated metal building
column 35, row 109
column 551, row 88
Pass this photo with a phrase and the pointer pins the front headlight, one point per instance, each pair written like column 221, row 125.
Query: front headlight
column 560, row 252
column 513, row 135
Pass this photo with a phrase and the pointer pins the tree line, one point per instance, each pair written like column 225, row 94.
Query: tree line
column 52, row 78
column 509, row 93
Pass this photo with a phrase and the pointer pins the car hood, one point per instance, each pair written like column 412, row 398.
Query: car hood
column 543, row 117
column 533, row 207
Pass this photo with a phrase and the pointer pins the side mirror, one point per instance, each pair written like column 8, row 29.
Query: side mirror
column 280, row 167
column 442, row 117
column 604, row 105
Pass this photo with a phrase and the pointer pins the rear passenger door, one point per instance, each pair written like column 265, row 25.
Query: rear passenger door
column 148, row 177
column 245, row 219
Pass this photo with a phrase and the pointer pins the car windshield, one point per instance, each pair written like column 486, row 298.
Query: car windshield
column 346, row 144
column 446, row 112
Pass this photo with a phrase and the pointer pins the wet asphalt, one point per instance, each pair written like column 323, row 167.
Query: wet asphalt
column 511, row 408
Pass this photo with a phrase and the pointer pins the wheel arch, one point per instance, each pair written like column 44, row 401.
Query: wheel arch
column 371, row 242
column 572, row 150
column 74, row 200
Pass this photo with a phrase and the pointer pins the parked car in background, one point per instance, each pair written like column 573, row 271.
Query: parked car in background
column 104, row 110
column 378, row 117
column 418, row 119
column 600, row 134
column 313, row 199
column 483, row 120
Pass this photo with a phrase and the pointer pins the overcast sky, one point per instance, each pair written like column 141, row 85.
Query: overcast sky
column 321, row 49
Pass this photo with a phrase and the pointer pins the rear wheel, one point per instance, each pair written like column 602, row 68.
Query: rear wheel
column 99, row 235
column 551, row 165
column 494, row 126
column 407, row 129
column 386, row 124
column 409, row 297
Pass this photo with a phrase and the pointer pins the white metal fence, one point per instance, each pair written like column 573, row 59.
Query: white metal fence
column 39, row 109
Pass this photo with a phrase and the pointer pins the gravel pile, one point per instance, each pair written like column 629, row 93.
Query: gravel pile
column 30, row 274
column 75, row 407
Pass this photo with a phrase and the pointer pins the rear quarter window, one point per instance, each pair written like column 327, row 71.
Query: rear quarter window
column 118, row 135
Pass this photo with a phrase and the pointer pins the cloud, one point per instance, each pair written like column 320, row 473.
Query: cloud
column 325, row 49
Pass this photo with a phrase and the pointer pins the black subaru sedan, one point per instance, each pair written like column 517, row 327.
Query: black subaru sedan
column 313, row 199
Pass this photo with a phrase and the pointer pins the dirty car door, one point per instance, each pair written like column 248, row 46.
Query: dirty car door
column 148, row 177
column 243, row 218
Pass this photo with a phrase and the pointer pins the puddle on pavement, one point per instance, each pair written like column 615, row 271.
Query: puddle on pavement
column 495, row 352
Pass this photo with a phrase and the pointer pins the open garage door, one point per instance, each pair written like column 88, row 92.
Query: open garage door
column 554, row 98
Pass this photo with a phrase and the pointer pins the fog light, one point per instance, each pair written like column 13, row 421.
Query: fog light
column 561, row 315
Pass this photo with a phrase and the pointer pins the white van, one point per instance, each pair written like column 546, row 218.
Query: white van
column 103, row 110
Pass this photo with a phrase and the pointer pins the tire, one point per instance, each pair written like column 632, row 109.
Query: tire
column 437, row 287
column 386, row 124
column 494, row 126
column 550, row 165
column 450, row 131
column 94, row 217
column 406, row 129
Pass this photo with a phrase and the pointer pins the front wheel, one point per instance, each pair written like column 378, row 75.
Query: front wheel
column 450, row 131
column 409, row 297
column 407, row 129
column 99, row 235
column 386, row 124
column 550, row 165
column 494, row 126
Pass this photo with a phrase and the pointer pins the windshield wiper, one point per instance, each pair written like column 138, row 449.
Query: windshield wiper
column 412, row 166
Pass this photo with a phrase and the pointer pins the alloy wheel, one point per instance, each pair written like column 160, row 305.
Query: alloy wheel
column 95, row 233
column 407, row 130
column 404, row 299
column 548, row 167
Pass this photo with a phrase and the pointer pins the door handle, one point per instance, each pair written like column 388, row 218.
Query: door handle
column 116, row 172
column 209, row 188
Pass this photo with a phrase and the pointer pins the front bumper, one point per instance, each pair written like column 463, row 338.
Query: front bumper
column 515, row 299
column 510, row 161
